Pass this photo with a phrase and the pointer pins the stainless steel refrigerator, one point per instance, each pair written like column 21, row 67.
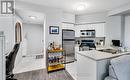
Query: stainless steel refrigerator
column 68, row 44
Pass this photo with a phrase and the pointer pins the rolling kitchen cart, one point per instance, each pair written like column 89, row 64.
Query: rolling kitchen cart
column 55, row 60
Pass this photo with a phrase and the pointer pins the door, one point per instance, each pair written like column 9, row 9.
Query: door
column 68, row 41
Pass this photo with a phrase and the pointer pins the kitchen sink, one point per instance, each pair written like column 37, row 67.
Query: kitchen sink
column 109, row 51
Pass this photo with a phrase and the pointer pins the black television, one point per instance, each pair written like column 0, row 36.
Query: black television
column 116, row 43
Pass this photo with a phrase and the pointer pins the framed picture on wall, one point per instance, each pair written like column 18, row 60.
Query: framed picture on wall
column 54, row 29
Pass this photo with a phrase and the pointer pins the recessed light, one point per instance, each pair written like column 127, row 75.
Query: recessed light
column 32, row 17
column 81, row 6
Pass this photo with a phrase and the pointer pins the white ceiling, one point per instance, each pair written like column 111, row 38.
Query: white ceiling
column 25, row 16
column 93, row 6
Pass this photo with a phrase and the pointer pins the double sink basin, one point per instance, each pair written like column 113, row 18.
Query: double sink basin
column 109, row 51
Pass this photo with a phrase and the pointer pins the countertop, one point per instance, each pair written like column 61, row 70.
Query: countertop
column 98, row 55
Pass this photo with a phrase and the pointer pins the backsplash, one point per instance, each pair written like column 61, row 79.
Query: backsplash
column 97, row 40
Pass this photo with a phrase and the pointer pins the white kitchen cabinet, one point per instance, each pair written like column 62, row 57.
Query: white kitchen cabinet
column 89, row 69
column 77, row 30
column 82, row 27
column 68, row 26
column 100, row 29
column 72, row 69
column 91, row 27
column 87, row 27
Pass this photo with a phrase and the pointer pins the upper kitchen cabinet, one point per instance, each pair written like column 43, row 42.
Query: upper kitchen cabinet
column 68, row 26
column 68, row 21
column 78, row 28
column 68, row 18
column 100, row 29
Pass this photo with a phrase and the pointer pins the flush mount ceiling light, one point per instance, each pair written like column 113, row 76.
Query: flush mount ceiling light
column 32, row 17
column 81, row 6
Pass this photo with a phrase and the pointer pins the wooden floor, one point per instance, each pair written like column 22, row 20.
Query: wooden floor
column 43, row 75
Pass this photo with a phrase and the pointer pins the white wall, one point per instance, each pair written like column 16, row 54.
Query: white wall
column 34, row 35
column 53, row 18
column 113, row 29
column 120, row 10
column 68, row 17
column 2, row 58
column 7, row 25
column 127, row 31
column 91, row 18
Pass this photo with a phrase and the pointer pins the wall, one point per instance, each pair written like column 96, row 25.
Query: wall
column 91, row 18
column 113, row 29
column 68, row 17
column 113, row 24
column 2, row 58
column 53, row 17
column 124, row 9
column 127, row 31
column 7, row 25
column 34, row 36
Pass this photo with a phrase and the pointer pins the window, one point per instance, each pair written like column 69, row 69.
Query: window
column 18, row 34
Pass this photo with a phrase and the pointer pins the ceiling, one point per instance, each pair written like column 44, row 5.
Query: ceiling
column 93, row 6
column 26, row 14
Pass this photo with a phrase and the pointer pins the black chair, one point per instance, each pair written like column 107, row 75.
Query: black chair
column 10, row 60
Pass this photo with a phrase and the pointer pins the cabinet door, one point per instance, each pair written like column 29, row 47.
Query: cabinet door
column 77, row 30
column 91, row 27
column 67, row 26
column 86, row 68
column 83, row 27
column 100, row 29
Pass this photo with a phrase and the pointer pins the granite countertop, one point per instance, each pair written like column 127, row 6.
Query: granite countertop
column 98, row 55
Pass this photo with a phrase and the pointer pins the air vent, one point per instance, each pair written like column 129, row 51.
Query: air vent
column 39, row 56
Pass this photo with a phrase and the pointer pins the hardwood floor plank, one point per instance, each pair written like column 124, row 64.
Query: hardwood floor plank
column 43, row 75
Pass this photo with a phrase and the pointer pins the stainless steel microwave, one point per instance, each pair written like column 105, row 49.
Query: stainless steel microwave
column 87, row 33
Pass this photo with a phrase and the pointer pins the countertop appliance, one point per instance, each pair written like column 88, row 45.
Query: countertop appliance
column 90, row 44
column 116, row 43
column 68, row 44
column 87, row 33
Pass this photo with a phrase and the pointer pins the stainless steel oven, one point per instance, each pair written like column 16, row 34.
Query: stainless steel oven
column 87, row 45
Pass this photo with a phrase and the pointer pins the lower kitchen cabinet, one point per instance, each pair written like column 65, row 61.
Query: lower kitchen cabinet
column 72, row 69
column 89, row 69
